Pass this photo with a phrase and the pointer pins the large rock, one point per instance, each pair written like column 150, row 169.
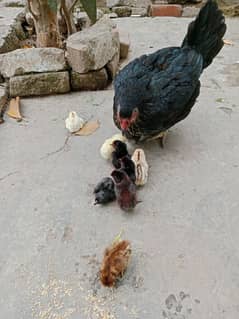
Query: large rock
column 94, row 80
column 93, row 48
column 39, row 84
column 35, row 60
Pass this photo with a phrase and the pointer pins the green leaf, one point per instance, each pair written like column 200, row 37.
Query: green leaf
column 90, row 8
column 52, row 5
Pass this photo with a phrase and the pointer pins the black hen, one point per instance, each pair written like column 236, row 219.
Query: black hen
column 155, row 91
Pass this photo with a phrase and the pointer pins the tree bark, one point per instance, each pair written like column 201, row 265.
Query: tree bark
column 46, row 24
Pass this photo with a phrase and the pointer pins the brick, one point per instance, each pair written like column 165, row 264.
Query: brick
column 158, row 10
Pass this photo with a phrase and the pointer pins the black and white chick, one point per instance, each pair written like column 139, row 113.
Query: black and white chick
column 104, row 191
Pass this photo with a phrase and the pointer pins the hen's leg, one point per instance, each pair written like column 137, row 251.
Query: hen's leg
column 161, row 138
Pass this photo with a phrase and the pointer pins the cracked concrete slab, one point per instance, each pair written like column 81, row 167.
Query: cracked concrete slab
column 184, row 233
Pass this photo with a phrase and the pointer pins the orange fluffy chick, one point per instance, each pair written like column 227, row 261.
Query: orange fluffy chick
column 115, row 262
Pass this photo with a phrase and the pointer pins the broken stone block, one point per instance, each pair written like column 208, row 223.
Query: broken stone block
column 39, row 84
column 94, row 80
column 113, row 66
column 93, row 48
column 35, row 60
column 122, row 11
column 124, row 44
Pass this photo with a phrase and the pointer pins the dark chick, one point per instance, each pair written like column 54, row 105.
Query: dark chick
column 125, row 190
column 127, row 165
column 105, row 191
column 155, row 91
column 115, row 262
column 120, row 150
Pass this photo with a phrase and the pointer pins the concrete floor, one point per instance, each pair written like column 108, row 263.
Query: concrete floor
column 184, row 234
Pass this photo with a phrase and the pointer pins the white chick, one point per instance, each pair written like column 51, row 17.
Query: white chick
column 107, row 149
column 141, row 167
column 74, row 123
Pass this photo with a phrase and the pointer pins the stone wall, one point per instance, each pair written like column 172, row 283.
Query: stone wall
column 90, row 62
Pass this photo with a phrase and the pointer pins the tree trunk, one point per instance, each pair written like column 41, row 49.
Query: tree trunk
column 45, row 18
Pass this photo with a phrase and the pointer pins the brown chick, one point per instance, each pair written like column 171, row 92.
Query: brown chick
column 115, row 262
column 125, row 190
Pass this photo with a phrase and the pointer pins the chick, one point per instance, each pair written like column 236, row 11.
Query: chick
column 104, row 191
column 127, row 165
column 141, row 167
column 120, row 151
column 115, row 262
column 74, row 123
column 107, row 148
column 125, row 190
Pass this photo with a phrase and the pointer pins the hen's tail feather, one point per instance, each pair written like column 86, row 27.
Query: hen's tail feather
column 205, row 33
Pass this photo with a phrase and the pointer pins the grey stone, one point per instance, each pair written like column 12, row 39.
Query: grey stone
column 113, row 66
column 3, row 96
column 143, row 12
column 39, row 84
column 190, row 11
column 123, row 11
column 93, row 48
column 34, row 60
column 91, row 81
